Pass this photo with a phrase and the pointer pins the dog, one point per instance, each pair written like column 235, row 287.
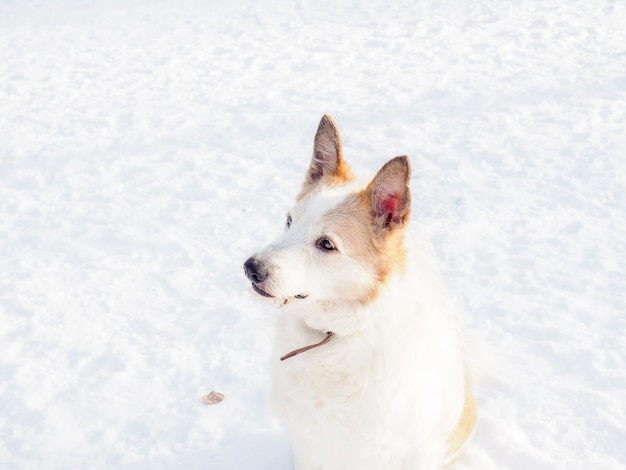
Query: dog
column 373, row 374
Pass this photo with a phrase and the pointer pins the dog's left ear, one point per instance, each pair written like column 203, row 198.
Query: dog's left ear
column 390, row 194
column 327, row 161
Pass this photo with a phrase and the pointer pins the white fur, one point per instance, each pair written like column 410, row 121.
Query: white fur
column 389, row 387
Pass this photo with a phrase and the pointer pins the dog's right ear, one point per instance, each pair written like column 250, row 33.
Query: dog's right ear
column 390, row 195
column 327, row 162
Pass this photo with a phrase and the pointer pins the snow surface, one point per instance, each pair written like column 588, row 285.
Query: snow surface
column 146, row 148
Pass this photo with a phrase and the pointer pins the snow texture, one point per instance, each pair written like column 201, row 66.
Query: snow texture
column 146, row 148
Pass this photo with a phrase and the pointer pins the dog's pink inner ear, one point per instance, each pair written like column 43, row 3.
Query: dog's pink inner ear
column 390, row 193
column 388, row 208
column 390, row 205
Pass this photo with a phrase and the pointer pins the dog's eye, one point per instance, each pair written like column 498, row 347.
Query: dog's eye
column 325, row 244
column 289, row 220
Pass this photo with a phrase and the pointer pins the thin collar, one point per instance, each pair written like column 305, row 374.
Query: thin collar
column 295, row 352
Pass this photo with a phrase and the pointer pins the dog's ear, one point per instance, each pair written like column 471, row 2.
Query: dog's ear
column 390, row 195
column 327, row 161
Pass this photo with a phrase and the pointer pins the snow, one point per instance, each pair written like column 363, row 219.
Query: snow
column 148, row 147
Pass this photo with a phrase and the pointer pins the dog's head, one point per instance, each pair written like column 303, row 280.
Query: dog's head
column 342, row 239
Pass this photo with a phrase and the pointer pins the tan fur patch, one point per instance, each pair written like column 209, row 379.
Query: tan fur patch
column 343, row 175
column 390, row 242
column 353, row 221
column 467, row 422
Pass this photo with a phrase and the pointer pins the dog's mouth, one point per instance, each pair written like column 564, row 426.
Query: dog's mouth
column 285, row 300
column 260, row 291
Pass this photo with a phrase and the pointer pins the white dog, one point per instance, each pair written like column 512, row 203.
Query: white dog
column 373, row 374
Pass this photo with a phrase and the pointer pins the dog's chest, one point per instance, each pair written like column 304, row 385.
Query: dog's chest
column 344, row 388
column 350, row 409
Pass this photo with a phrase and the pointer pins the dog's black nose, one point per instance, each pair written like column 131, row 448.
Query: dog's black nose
column 255, row 270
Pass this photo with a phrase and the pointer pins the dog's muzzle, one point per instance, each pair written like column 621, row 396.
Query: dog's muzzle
column 257, row 273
